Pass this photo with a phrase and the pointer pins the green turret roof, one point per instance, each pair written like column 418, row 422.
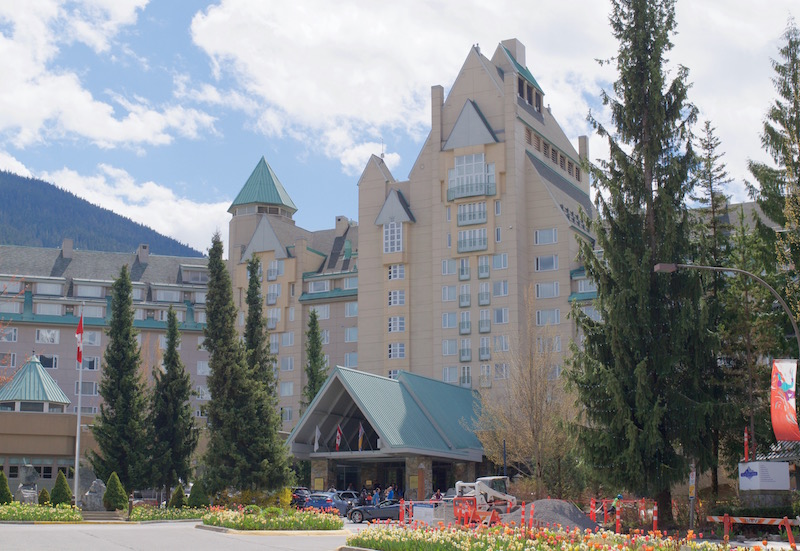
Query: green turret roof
column 263, row 187
column 32, row 383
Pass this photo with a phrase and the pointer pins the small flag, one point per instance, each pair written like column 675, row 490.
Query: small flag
column 79, row 336
column 338, row 436
column 317, row 435
column 360, row 436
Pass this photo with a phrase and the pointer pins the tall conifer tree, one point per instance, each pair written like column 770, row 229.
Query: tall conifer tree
column 636, row 374
column 316, row 372
column 119, row 429
column 173, row 435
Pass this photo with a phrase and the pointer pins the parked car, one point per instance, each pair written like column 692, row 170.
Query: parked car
column 386, row 509
column 350, row 497
column 299, row 497
column 328, row 500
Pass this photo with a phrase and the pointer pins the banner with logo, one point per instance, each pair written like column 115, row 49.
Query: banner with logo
column 783, row 407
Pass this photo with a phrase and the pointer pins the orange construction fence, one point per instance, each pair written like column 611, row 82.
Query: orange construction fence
column 640, row 504
column 784, row 522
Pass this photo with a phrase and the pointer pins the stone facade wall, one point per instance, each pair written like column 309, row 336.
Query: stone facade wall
column 324, row 469
column 413, row 463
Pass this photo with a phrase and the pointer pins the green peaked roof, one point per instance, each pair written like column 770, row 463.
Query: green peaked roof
column 522, row 70
column 32, row 383
column 263, row 187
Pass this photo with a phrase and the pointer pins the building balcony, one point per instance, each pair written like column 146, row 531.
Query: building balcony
column 471, row 189
column 272, row 274
column 470, row 218
column 484, row 299
column 463, row 274
column 465, row 354
column 272, row 323
column 484, row 353
column 473, row 244
column 463, row 300
column 483, row 271
column 272, row 298
column 464, row 328
column 484, row 326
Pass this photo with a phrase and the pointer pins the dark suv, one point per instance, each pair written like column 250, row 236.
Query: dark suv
column 300, row 497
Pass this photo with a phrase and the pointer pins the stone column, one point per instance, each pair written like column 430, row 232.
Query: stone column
column 420, row 468
column 322, row 469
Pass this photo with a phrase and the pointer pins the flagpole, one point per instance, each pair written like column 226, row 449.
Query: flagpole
column 78, row 361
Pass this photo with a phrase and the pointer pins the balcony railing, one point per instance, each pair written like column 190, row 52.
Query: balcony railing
column 272, row 274
column 484, row 299
column 484, row 353
column 484, row 326
column 272, row 298
column 272, row 323
column 463, row 274
column 466, row 381
column 464, row 327
column 473, row 244
column 483, row 271
column 463, row 300
column 471, row 189
column 465, row 354
column 470, row 218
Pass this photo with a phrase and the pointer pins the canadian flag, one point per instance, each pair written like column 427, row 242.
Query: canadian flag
column 79, row 336
column 338, row 436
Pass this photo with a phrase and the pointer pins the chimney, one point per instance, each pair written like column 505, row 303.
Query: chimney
column 516, row 48
column 342, row 223
column 66, row 248
column 143, row 253
column 583, row 147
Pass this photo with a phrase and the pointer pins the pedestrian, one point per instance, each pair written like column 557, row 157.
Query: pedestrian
column 376, row 496
column 390, row 492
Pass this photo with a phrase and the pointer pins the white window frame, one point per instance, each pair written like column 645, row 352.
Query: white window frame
column 287, row 339
column 397, row 324
column 449, row 293
column 449, row 320
column 86, row 384
column 351, row 309
column 449, row 266
column 449, row 347
column 547, row 236
column 287, row 363
column 450, row 374
column 500, row 316
column 397, row 350
column 500, row 261
column 500, row 288
column 48, row 336
column 8, row 334
column 549, row 289
column 91, row 363
column 351, row 359
column 53, row 360
column 203, row 368
column 550, row 316
column 500, row 371
column 547, row 263
column 320, row 286
column 287, row 388
column 351, row 334
column 393, row 237
column 397, row 297
column 397, row 271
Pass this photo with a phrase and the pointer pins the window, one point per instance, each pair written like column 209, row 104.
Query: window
column 287, row 339
column 397, row 350
column 450, row 374
column 486, row 375
column 449, row 240
column 397, row 298
column 393, row 373
column 200, row 412
column 90, row 363
column 137, row 293
column 325, row 336
column 47, row 336
column 397, row 271
column 91, row 338
column 586, row 286
column 287, row 388
column 10, row 287
column 501, row 343
column 592, row 312
column 351, row 359
column 319, row 286
column 286, row 414
column 547, row 263
column 562, row 162
column 287, row 363
column 497, row 236
column 168, row 295
column 351, row 282
column 577, row 173
column 466, row 376
column 448, row 293
column 538, row 102
column 326, row 360
column 483, row 266
column 323, row 311
column 87, row 389
column 162, row 343
column 48, row 309
column 497, row 208
column 90, row 291
column 8, row 359
column 500, row 261
column 275, row 269
column 393, row 237
column 200, row 317
column 48, row 288
column 203, row 369
column 528, row 136
column 547, row 290
column 397, row 324
column 472, row 213
column 163, row 315
column 449, row 266
column 8, row 334
column 546, row 345
column 448, row 320
column 501, row 371
column 8, row 307
column 449, row 347
column 501, row 315
column 49, row 361
column 472, row 240
column 569, row 168
column 548, row 317
column 545, row 237
column 463, row 268
column 351, row 334
column 291, row 289
column 291, row 313
column 470, row 174
column 274, row 343
column 351, row 309
column 554, row 155
column 196, row 276
column 447, row 213
column 273, row 292
column 500, row 288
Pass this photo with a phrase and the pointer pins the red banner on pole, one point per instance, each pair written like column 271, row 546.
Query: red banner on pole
column 783, row 408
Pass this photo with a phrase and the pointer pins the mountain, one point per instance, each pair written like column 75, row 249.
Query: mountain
column 38, row 214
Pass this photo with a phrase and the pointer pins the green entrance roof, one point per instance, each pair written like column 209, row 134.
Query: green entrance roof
column 263, row 187
column 32, row 383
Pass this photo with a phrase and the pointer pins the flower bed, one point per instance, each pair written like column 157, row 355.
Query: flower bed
column 509, row 538
column 272, row 518
column 42, row 513
column 147, row 512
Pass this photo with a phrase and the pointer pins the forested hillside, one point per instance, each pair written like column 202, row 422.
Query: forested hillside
column 35, row 213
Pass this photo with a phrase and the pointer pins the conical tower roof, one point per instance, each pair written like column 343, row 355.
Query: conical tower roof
column 263, row 188
column 32, row 383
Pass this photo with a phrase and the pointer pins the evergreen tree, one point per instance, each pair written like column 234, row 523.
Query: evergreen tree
column 44, row 497
column 120, row 430
column 115, row 497
column 197, row 496
column 636, row 375
column 316, row 372
column 61, row 490
column 178, row 500
column 5, row 491
column 778, row 191
column 173, row 434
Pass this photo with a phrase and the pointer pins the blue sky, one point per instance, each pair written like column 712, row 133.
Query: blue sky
column 160, row 110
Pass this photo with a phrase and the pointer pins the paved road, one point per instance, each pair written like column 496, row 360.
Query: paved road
column 153, row 537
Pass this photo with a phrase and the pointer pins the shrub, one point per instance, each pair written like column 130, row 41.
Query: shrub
column 5, row 491
column 198, row 496
column 44, row 497
column 115, row 497
column 178, row 499
column 61, row 492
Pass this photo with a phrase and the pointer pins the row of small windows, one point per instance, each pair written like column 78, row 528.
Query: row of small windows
column 45, row 467
column 550, row 152
column 529, row 94
column 99, row 291
column 451, row 266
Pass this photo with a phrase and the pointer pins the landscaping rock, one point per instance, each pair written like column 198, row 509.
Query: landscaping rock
column 93, row 499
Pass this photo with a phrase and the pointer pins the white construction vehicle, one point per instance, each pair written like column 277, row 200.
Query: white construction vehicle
column 490, row 493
